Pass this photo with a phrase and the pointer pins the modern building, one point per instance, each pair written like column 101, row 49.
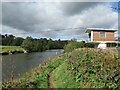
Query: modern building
column 102, row 36
column 98, row 34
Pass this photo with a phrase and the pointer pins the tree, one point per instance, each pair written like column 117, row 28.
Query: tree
column 38, row 45
column 32, row 45
column 73, row 39
column 28, row 44
column 0, row 39
column 7, row 39
column 115, row 8
column 18, row 41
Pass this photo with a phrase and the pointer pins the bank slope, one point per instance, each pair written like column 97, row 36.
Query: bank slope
column 88, row 68
column 81, row 68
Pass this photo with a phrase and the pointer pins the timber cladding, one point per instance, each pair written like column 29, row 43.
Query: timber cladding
column 109, row 36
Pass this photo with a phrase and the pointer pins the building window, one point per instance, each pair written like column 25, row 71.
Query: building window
column 89, row 35
column 102, row 34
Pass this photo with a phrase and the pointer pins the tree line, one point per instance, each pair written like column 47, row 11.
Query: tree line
column 32, row 44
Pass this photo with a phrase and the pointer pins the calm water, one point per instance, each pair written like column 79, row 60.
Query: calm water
column 23, row 62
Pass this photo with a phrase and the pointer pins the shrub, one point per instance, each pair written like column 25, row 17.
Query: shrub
column 91, row 45
column 73, row 45
column 112, row 44
column 95, row 68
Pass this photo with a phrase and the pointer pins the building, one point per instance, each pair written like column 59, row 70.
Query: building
column 102, row 36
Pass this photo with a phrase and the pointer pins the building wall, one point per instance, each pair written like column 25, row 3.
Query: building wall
column 109, row 36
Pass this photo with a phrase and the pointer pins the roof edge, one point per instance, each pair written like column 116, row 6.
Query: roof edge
column 99, row 29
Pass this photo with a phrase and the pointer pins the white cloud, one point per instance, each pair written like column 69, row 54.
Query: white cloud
column 38, row 17
column 98, row 17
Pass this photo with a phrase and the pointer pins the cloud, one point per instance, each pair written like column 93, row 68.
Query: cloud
column 98, row 17
column 49, row 16
column 72, row 8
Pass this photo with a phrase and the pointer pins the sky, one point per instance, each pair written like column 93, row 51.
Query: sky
column 57, row 20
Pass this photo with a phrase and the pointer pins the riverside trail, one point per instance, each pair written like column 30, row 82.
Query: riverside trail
column 51, row 84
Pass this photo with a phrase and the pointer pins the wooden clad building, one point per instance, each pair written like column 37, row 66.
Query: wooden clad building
column 98, row 35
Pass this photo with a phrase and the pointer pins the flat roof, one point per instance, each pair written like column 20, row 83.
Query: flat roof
column 99, row 29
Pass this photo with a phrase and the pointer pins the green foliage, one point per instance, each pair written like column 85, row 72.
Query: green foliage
column 30, row 44
column 113, row 44
column 73, row 45
column 91, row 45
column 94, row 68
column 88, row 68
column 7, row 39
column 6, row 49
column 57, row 44
column 17, row 41
column 81, row 68
column 40, row 79
column 63, row 79
column 116, row 8
column 33, row 45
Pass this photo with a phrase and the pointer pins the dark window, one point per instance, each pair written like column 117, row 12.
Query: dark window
column 102, row 34
column 89, row 35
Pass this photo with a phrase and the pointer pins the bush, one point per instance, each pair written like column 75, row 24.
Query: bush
column 95, row 68
column 73, row 45
column 91, row 45
column 112, row 44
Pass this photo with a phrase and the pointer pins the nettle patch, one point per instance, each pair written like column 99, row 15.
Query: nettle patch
column 94, row 68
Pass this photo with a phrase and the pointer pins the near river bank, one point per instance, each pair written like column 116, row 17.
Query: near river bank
column 80, row 68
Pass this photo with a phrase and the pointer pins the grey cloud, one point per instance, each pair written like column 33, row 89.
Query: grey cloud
column 72, row 8
column 37, row 17
column 19, row 15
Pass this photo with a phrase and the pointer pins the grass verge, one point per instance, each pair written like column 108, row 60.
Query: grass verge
column 37, row 77
column 81, row 68
column 7, row 49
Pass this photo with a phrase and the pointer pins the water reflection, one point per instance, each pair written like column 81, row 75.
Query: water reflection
column 20, row 63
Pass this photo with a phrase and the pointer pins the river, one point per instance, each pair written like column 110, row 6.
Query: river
column 17, row 64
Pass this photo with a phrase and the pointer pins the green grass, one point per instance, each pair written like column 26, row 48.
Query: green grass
column 88, row 68
column 4, row 49
column 63, row 79
column 37, row 77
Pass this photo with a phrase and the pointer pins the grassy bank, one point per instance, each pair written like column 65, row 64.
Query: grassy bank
column 88, row 68
column 81, row 68
column 10, row 49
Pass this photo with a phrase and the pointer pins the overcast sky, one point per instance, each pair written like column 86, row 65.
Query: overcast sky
column 42, row 18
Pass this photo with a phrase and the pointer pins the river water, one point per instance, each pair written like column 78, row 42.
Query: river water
column 17, row 64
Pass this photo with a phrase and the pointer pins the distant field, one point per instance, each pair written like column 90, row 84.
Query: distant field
column 10, row 48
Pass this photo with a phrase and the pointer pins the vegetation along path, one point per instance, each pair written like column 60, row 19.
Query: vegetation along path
column 51, row 84
column 80, row 68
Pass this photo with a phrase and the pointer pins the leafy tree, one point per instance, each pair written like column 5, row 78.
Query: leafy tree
column 7, row 39
column 28, row 44
column 73, row 39
column 0, row 39
column 18, row 41
column 115, row 8
column 32, row 45
column 73, row 45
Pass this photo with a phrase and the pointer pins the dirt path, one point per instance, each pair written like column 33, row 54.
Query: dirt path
column 51, row 84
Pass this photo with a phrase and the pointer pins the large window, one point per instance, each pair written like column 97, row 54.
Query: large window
column 102, row 34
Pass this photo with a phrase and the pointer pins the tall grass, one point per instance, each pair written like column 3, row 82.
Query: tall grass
column 4, row 49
